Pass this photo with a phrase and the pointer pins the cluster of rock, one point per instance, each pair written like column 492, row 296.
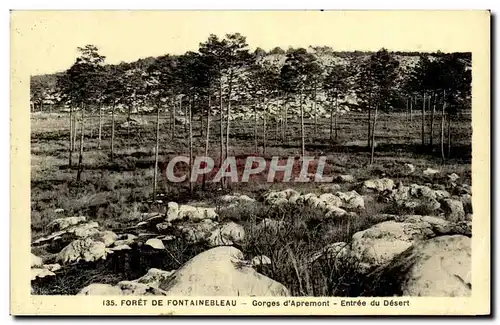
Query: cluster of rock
column 332, row 204
column 375, row 251
column 418, row 255
column 457, row 207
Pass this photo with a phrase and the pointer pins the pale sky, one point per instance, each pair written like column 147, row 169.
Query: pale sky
column 46, row 41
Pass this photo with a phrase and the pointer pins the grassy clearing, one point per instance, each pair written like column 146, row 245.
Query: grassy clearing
column 116, row 193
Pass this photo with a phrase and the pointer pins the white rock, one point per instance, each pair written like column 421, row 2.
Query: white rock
column 132, row 288
column 188, row 212
column 334, row 212
column 120, row 247
column 227, row 234
column 58, row 210
column 221, row 271
column 329, row 188
column 261, row 260
column 63, row 223
column 344, row 178
column 196, row 232
column 380, row 243
column 409, row 168
column 52, row 267
column 331, row 199
column 438, row 267
column 351, row 200
column 155, row 243
column 126, row 239
column 453, row 177
column 36, row 261
column 40, row 273
column 154, row 277
column 106, row 236
column 85, row 249
column 430, row 172
column 379, row 185
column 453, row 209
column 99, row 289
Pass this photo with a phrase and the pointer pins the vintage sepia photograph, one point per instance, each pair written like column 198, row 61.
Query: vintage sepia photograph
column 228, row 156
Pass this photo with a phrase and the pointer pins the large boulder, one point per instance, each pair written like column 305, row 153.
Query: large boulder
column 221, row 271
column 380, row 243
column 85, row 249
column 438, row 267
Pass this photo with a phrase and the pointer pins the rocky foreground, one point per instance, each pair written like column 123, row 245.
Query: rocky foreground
column 399, row 254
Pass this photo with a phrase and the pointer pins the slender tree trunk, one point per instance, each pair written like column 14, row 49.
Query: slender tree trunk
column 173, row 117
column 433, row 112
column 80, row 156
column 407, row 111
column 264, row 130
column 207, row 139
column 75, row 130
column 228, row 112
column 336, row 117
column 113, row 132
column 302, row 133
column 373, row 136
column 285, row 130
column 255, row 126
column 221, row 135
column 449, row 135
column 411, row 109
column 185, row 112
column 276, row 119
column 70, row 162
column 423, row 120
column 331, row 120
column 369, row 125
column 100, row 128
column 443, row 117
column 129, row 124
column 202, row 128
column 157, row 149
column 191, row 184
column 315, row 114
